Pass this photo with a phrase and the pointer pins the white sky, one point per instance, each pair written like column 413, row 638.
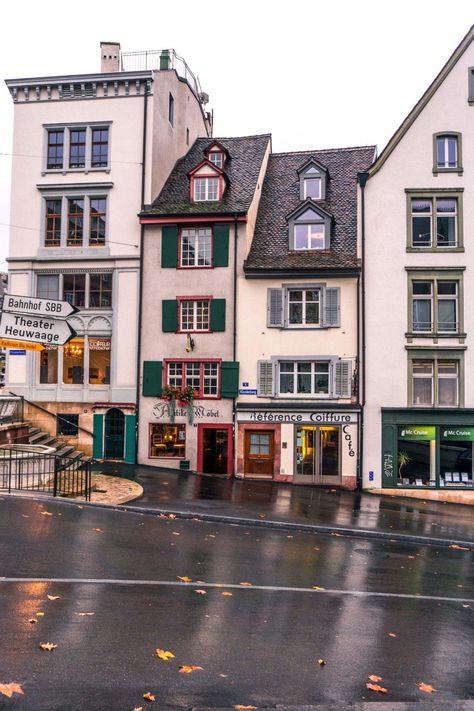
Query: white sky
column 315, row 74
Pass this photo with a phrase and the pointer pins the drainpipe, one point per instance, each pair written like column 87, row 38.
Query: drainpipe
column 234, row 339
column 140, row 272
column 362, row 180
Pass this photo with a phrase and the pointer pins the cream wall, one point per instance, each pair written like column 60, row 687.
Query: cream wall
column 410, row 166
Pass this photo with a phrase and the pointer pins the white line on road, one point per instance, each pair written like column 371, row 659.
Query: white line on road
column 233, row 586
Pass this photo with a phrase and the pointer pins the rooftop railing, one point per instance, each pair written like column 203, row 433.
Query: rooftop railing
column 162, row 60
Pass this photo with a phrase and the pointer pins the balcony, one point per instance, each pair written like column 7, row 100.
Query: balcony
column 161, row 60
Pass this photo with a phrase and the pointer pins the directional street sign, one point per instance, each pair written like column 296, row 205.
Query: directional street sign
column 34, row 306
column 19, row 327
column 20, row 345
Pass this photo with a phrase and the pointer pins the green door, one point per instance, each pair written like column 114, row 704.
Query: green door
column 114, row 434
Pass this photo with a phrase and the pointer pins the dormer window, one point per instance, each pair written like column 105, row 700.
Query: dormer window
column 313, row 179
column 206, row 189
column 309, row 228
column 217, row 158
column 312, row 188
column 216, row 154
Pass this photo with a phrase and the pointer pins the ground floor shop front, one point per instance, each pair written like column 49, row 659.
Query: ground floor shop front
column 302, row 446
column 427, row 449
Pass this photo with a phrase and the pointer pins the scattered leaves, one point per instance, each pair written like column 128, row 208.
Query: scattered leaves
column 164, row 655
column 47, row 646
column 148, row 696
column 10, row 689
column 376, row 687
column 201, row 592
column 227, row 593
column 375, row 678
column 184, row 578
column 427, row 688
column 53, row 597
column 322, row 663
column 84, row 614
column 187, row 669
column 455, row 547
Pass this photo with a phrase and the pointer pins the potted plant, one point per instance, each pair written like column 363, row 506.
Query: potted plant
column 170, row 392
column 403, row 459
column 186, row 399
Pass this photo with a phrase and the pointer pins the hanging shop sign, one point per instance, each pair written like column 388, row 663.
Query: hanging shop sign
column 418, row 432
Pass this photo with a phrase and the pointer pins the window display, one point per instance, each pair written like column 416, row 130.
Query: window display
column 167, row 440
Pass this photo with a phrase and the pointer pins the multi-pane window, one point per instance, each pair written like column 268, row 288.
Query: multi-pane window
column 304, row 307
column 196, row 247
column 310, row 236
column 55, row 154
column 74, row 289
column 304, row 378
column 77, row 147
column 435, row 306
column 435, row 382
column 75, row 222
column 97, row 213
column 47, row 286
column 203, row 377
column 206, row 189
column 447, row 152
column 194, row 315
column 217, row 158
column 53, row 223
column 312, row 188
column 434, row 222
column 93, row 291
column 167, row 440
column 100, row 291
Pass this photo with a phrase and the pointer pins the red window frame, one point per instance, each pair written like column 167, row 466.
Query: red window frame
column 207, row 175
column 180, row 299
column 216, row 153
column 180, row 242
column 201, row 362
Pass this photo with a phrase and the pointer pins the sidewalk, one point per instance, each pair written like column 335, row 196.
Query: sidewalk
column 304, row 507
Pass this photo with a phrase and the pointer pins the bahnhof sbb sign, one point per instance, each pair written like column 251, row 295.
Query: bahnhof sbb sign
column 35, row 320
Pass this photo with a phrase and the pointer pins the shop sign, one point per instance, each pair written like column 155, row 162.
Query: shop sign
column 96, row 344
column 420, row 432
column 297, row 418
column 462, row 434
column 162, row 412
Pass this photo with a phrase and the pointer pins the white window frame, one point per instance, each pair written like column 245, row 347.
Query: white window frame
column 303, row 323
column 207, row 193
column 180, row 381
column 445, row 139
column 310, row 179
column 205, row 304
column 313, row 363
column 196, row 233
column 435, row 376
column 308, row 226
column 67, row 128
column 216, row 158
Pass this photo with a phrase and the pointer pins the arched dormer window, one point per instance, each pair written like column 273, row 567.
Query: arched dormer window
column 309, row 228
column 313, row 179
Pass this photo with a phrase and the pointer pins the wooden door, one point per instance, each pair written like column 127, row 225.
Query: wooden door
column 259, row 453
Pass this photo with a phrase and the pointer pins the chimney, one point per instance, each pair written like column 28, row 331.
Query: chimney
column 109, row 57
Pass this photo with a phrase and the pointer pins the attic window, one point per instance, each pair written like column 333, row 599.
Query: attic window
column 313, row 179
column 312, row 188
column 206, row 189
column 217, row 158
column 309, row 230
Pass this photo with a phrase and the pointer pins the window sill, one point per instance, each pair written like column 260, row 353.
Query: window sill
column 435, row 249
column 459, row 170
column 434, row 336
column 68, row 171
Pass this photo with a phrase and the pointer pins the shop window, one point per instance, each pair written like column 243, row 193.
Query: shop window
column 99, row 361
column 68, row 425
column 73, row 362
column 167, row 441
column 49, row 365
column 416, row 456
column 455, row 451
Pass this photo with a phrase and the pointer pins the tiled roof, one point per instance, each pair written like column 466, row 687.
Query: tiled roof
column 280, row 197
column 243, row 168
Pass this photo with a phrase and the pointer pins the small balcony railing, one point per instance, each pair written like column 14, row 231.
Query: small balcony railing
column 161, row 60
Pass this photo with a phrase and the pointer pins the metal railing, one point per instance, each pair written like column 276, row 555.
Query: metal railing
column 51, row 414
column 23, row 469
column 160, row 59
column 11, row 409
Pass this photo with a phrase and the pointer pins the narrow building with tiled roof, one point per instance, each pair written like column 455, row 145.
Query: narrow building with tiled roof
column 298, row 345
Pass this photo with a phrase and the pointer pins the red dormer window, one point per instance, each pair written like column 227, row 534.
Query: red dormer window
column 206, row 189
column 207, row 182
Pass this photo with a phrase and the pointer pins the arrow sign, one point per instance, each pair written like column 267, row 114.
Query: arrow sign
column 38, row 307
column 20, row 345
column 35, row 330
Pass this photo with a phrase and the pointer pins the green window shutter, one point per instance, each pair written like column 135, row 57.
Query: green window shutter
column 169, row 312
column 342, row 378
column 169, row 247
column 265, row 378
column 217, row 314
column 332, row 307
column 229, row 379
column 220, row 246
column 98, row 444
column 152, row 378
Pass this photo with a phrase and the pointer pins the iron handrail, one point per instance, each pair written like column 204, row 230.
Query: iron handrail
column 53, row 414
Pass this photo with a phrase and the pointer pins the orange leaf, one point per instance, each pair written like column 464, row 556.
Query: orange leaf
column 376, row 687
column 455, row 547
column 166, row 656
column 40, row 614
column 375, row 678
column 186, row 669
column 184, row 578
column 99, row 530
column 427, row 688
column 47, row 646
column 148, row 696
column 46, row 513
column 53, row 597
column 240, row 706
column 10, row 689
column 227, row 593
column 246, row 584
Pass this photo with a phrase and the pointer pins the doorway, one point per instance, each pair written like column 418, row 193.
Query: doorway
column 318, row 456
column 114, row 434
column 215, row 449
column 259, row 453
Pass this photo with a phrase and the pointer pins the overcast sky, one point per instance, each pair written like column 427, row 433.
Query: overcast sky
column 314, row 74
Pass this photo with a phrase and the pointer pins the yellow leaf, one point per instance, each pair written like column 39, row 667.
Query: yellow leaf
column 148, row 696
column 164, row 655
column 187, row 669
column 240, row 706
column 427, row 688
column 46, row 513
column 53, row 597
column 316, row 587
column 376, row 687
column 246, row 584
column 322, row 662
column 200, row 592
column 40, row 614
column 10, row 689
column 227, row 593
column 184, row 578
column 47, row 646
column 84, row 614
column 375, row 678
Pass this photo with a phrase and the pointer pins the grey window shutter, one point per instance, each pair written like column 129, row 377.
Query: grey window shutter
column 265, row 387
column 275, row 308
column 332, row 306
column 342, row 378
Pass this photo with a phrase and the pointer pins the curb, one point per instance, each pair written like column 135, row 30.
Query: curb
column 261, row 523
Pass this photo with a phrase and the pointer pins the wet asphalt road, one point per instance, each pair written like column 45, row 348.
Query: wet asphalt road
column 311, row 597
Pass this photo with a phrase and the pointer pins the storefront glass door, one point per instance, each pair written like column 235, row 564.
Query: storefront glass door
column 317, row 455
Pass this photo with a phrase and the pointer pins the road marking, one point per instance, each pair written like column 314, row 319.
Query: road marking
column 268, row 588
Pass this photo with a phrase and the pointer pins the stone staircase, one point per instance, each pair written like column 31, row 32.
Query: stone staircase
column 38, row 436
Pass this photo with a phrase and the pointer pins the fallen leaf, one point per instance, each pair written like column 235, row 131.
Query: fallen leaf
column 322, row 663
column 289, row 536
column 184, row 578
column 47, row 646
column 148, row 696
column 24, row 516
column 376, row 687
column 224, row 676
column 80, row 507
column 315, row 549
column 10, row 689
column 246, row 584
column 392, row 634
column 46, row 513
column 336, row 534
column 164, row 655
column 375, row 678
column 411, row 556
column 316, row 587
column 200, row 592
column 53, row 597
column 175, row 533
column 40, row 614
column 84, row 614
column 226, row 593
column 138, row 708
column 99, row 530
column 455, row 547
column 240, row 706
column 187, row 669
column 427, row 688
column 466, row 606
column 33, row 621
column 171, row 515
